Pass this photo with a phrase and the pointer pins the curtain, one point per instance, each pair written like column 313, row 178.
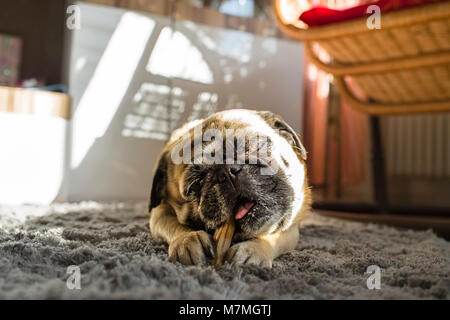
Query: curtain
column 342, row 159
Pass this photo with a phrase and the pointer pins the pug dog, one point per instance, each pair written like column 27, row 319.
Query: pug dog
column 202, row 179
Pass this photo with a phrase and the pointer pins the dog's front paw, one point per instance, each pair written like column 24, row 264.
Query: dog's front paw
column 250, row 252
column 192, row 248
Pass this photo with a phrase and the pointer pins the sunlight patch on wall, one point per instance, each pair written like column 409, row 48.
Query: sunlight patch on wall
column 174, row 56
column 206, row 105
column 234, row 102
column 80, row 64
column 151, row 117
column 110, row 82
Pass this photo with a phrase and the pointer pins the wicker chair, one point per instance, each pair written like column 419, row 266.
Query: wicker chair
column 402, row 68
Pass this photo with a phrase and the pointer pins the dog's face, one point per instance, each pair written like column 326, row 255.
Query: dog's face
column 251, row 166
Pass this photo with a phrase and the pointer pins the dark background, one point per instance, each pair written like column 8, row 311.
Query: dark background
column 40, row 25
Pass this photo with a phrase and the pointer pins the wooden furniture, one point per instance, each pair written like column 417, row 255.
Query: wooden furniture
column 34, row 102
column 402, row 68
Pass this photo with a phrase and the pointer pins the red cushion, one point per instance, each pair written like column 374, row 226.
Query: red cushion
column 320, row 15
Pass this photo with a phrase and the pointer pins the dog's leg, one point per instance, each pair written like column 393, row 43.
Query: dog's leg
column 185, row 245
column 263, row 249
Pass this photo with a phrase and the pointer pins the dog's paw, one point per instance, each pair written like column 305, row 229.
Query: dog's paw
column 250, row 252
column 190, row 248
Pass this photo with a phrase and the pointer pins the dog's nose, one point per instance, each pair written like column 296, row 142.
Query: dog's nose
column 228, row 173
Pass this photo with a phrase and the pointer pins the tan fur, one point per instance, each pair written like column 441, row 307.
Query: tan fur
column 169, row 220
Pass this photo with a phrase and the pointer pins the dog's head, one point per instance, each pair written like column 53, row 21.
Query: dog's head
column 240, row 163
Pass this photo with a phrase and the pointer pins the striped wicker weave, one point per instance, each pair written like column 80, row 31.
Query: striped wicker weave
column 404, row 67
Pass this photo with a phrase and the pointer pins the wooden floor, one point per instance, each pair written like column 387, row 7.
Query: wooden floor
column 441, row 225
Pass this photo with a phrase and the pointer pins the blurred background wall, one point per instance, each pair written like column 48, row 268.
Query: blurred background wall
column 133, row 80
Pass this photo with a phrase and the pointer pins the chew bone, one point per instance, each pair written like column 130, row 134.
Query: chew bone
column 222, row 239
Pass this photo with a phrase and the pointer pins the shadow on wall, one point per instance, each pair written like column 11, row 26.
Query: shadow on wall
column 134, row 80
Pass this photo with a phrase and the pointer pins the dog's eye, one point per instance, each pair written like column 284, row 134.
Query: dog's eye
column 288, row 136
column 193, row 188
column 194, row 180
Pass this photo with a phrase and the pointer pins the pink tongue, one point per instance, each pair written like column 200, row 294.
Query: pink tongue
column 243, row 209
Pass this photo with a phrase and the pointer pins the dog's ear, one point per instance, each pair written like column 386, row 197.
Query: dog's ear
column 285, row 130
column 159, row 183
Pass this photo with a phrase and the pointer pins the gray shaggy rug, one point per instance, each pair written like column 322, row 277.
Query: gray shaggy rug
column 118, row 259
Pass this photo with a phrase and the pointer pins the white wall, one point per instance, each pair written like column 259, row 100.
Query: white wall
column 31, row 157
column 121, row 67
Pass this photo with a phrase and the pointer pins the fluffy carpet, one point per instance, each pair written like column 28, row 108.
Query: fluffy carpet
column 118, row 259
